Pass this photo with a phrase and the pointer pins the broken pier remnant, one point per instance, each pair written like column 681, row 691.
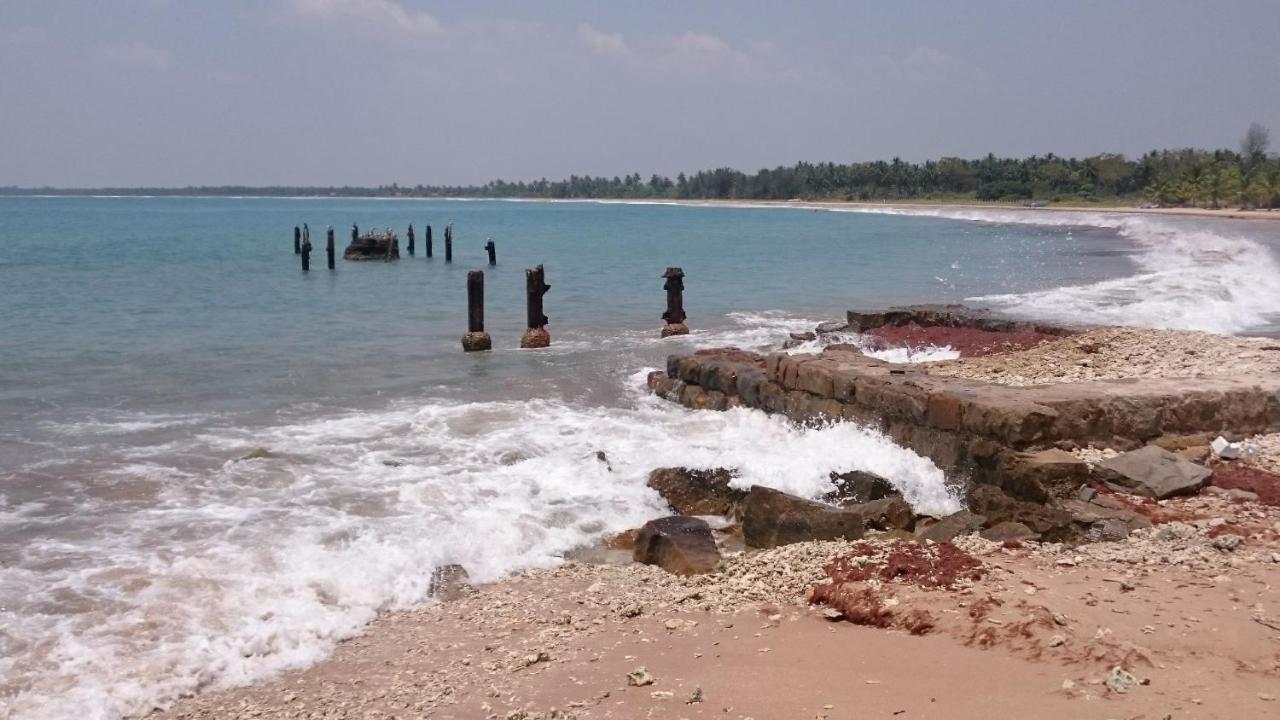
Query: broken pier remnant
column 535, row 286
column 410, row 235
column 448, row 243
column 674, row 315
column 329, row 246
column 373, row 245
column 476, row 338
column 492, row 249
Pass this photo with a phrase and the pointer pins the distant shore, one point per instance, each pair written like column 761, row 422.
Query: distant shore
column 1220, row 213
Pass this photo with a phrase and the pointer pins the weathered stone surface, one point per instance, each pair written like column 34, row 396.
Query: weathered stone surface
column 771, row 518
column 858, row 486
column 373, row 246
column 674, row 329
column 697, row 492
column 1098, row 521
column 476, row 341
column 947, row 316
column 535, row 338
column 1014, row 437
column 448, row 583
column 678, row 544
column 1042, row 475
column 1044, row 521
column 1154, row 472
column 891, row 513
column 951, row 527
column 1009, row 531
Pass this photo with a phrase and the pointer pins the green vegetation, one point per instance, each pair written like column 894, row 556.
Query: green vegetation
column 1249, row 178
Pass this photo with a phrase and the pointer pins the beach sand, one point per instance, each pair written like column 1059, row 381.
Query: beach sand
column 1194, row 626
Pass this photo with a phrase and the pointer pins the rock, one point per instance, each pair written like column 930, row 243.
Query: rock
column 602, row 457
column 1048, row 522
column 448, row 583
column 771, row 518
column 858, row 486
column 951, row 527
column 678, row 544
column 831, row 326
column 1099, row 523
column 1225, row 449
column 798, row 339
column 1231, row 493
column 1228, row 542
column 1086, row 493
column 892, row 513
column 1120, row 680
column 1007, row 531
column 674, row 329
column 1153, row 472
column 697, row 492
column 639, row 677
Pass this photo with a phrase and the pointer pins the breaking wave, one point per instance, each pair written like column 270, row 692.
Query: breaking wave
column 263, row 563
column 1191, row 275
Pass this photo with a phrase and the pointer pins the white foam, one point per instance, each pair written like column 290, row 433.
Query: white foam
column 1192, row 275
column 264, row 564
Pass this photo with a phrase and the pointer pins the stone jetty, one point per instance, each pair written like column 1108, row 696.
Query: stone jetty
column 1017, row 438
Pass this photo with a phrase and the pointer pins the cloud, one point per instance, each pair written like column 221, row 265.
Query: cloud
column 927, row 65
column 134, row 55
column 603, row 43
column 386, row 15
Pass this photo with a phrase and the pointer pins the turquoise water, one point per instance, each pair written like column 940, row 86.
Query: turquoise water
column 150, row 345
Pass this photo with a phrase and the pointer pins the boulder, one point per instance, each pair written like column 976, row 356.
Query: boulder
column 858, row 486
column 1009, row 531
column 892, row 513
column 678, row 544
column 697, row 492
column 1154, row 472
column 951, row 527
column 1047, row 522
column 448, row 583
column 1098, row 521
column 771, row 518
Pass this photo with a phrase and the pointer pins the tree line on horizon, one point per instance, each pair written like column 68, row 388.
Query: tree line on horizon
column 1248, row 178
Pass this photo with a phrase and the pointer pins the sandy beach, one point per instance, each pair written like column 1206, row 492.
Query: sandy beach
column 1194, row 630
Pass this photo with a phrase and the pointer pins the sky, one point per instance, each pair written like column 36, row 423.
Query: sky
column 363, row 92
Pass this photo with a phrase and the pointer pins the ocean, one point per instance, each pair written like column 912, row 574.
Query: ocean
column 213, row 466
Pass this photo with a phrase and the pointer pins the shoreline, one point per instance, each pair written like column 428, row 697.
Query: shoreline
column 1191, row 628
column 917, row 205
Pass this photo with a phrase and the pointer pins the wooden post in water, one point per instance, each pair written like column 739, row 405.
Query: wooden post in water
column 448, row 243
column 476, row 338
column 492, row 249
column 535, row 286
column 428, row 241
column 355, row 232
column 674, row 315
column 297, row 240
column 306, row 253
column 329, row 248
column 410, row 239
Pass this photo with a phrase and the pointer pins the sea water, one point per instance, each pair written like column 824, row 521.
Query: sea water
column 214, row 466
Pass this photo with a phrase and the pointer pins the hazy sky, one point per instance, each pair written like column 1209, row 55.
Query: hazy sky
column 176, row 92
